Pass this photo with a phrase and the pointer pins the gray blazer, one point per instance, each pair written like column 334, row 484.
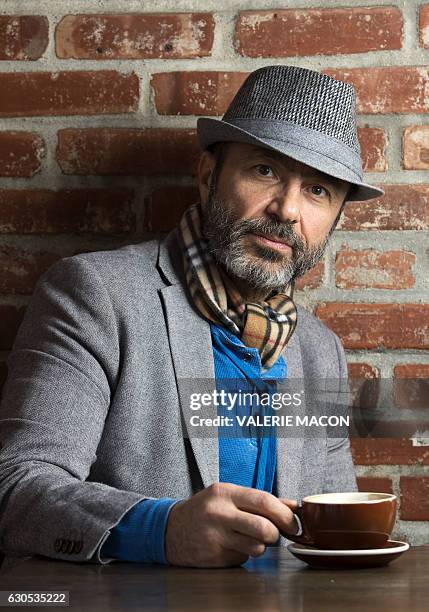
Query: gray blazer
column 90, row 419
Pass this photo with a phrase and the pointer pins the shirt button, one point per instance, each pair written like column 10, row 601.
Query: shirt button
column 248, row 357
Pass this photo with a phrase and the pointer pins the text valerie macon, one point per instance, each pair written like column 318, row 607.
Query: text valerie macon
column 275, row 420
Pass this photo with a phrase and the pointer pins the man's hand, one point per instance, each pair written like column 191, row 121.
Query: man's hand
column 224, row 525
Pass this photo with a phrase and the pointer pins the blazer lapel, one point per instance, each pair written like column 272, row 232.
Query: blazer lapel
column 290, row 447
column 191, row 350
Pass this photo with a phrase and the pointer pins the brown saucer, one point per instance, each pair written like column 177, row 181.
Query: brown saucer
column 348, row 559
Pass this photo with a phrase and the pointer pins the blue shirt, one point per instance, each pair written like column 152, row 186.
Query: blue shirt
column 245, row 458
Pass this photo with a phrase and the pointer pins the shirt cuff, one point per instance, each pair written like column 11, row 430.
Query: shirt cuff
column 140, row 535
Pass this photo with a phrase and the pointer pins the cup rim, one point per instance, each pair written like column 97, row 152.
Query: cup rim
column 329, row 498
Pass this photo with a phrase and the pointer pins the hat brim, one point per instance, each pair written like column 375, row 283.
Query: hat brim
column 210, row 131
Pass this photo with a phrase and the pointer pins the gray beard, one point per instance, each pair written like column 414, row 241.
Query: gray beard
column 264, row 269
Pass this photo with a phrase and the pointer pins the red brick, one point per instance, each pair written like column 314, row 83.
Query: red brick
column 127, row 151
column 23, row 37
column 362, row 371
column 21, row 154
column 411, row 370
column 388, row 451
column 373, row 147
column 95, row 211
column 411, row 385
column 283, row 33
column 415, row 147
column 31, row 94
column 414, row 498
column 369, row 268
column 390, row 89
column 313, row 278
column 165, row 206
column 134, row 36
column 403, row 207
column 20, row 268
column 424, row 26
column 195, row 93
column 364, row 380
column 374, row 484
column 10, row 320
column 377, row 326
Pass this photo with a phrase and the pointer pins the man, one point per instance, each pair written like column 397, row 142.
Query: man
column 97, row 460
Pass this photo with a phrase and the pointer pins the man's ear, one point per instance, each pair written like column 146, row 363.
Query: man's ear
column 206, row 167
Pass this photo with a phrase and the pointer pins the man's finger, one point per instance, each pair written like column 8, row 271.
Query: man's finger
column 264, row 504
column 290, row 503
column 243, row 544
column 254, row 526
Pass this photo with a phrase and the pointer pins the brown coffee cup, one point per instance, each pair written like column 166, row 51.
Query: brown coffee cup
column 345, row 520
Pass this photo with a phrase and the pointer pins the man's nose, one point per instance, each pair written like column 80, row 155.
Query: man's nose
column 286, row 205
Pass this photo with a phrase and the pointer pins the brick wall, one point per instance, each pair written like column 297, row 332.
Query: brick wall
column 98, row 106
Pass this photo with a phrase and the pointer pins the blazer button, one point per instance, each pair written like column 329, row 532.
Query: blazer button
column 77, row 547
column 57, row 544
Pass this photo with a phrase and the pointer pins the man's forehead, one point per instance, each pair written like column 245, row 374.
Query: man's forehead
column 256, row 151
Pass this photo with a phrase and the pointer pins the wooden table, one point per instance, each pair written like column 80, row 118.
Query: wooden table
column 273, row 582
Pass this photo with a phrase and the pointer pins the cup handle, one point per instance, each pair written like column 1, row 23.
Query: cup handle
column 302, row 536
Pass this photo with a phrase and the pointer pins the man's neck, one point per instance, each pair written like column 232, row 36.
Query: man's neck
column 249, row 293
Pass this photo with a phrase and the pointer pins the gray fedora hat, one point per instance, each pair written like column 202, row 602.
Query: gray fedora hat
column 301, row 113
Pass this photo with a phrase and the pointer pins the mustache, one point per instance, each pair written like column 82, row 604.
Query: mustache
column 269, row 228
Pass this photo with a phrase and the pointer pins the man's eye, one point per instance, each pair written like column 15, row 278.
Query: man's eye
column 319, row 191
column 265, row 170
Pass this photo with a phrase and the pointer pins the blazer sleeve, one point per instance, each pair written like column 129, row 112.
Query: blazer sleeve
column 340, row 473
column 62, row 371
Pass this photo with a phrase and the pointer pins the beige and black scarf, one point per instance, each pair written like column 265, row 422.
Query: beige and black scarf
column 266, row 326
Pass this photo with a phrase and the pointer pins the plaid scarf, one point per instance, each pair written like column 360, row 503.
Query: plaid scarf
column 267, row 325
